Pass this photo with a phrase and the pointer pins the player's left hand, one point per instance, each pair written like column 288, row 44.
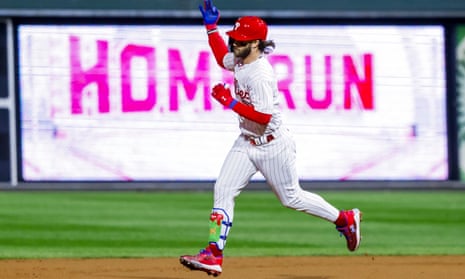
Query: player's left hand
column 222, row 94
column 210, row 13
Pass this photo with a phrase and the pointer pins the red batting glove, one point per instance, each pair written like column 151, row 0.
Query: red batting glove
column 223, row 96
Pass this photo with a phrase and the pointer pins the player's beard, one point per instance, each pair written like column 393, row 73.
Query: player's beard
column 242, row 52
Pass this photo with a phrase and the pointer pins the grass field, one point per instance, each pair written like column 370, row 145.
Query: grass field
column 156, row 224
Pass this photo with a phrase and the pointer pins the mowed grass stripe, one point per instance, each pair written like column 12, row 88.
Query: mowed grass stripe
column 160, row 224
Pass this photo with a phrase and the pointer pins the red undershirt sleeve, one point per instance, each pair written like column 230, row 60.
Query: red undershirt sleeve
column 250, row 113
column 217, row 44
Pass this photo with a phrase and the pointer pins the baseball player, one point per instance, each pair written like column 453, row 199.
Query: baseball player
column 264, row 145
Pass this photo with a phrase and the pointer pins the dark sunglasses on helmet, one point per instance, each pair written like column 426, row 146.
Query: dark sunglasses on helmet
column 238, row 43
column 241, row 43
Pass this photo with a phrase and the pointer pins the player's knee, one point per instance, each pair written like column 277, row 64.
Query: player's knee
column 224, row 189
column 291, row 202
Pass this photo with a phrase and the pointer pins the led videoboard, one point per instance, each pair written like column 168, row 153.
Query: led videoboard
column 132, row 103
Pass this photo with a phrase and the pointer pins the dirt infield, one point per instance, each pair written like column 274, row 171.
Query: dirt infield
column 359, row 267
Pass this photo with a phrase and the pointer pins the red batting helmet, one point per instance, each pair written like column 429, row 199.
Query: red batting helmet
column 248, row 28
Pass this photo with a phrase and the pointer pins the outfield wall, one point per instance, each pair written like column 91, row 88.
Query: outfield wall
column 271, row 8
column 121, row 100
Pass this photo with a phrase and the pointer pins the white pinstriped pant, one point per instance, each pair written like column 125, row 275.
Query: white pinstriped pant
column 276, row 161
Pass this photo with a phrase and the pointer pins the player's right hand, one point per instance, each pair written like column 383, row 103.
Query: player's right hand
column 223, row 95
column 210, row 13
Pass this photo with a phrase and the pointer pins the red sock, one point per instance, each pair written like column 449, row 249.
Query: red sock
column 341, row 220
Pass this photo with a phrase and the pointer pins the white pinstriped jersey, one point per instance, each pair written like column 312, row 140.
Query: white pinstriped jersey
column 256, row 85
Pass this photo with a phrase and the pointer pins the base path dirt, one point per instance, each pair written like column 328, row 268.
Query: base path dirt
column 359, row 267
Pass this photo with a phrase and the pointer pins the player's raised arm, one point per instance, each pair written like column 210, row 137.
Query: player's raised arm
column 211, row 15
